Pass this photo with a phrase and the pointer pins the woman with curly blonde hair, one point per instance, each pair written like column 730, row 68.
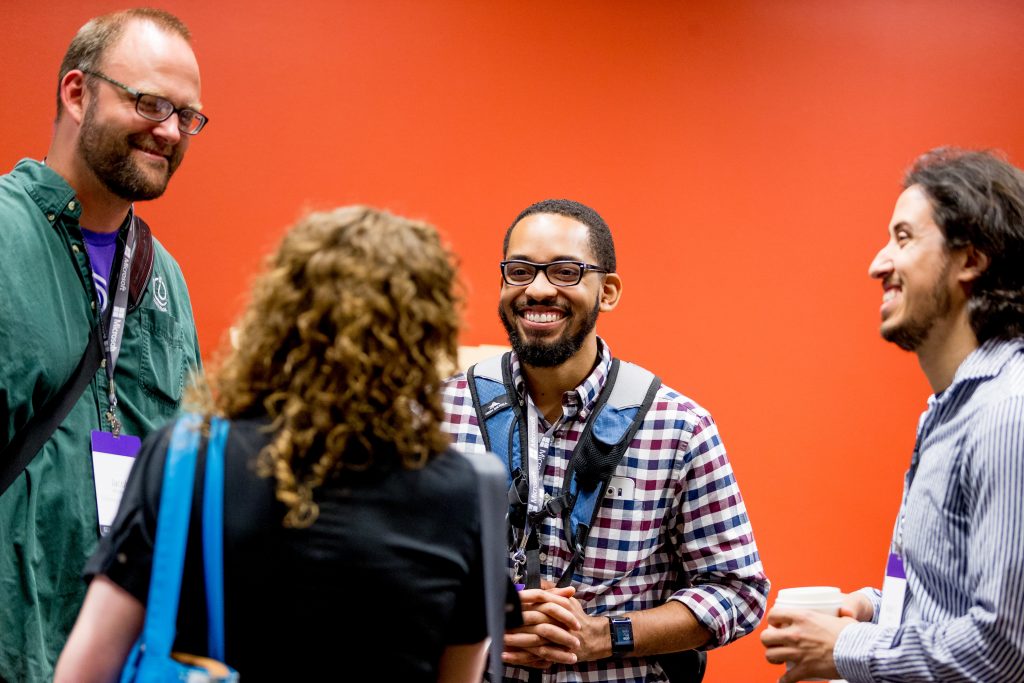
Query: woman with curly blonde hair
column 351, row 530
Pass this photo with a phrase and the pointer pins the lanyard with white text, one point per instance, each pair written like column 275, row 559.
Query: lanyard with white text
column 894, row 585
column 118, row 312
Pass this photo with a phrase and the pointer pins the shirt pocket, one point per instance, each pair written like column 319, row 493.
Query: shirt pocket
column 624, row 537
column 163, row 361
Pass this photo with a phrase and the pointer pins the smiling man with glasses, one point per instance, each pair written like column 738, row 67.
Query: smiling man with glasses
column 96, row 329
column 627, row 530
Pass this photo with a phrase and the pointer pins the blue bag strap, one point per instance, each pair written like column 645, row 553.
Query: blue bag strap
column 171, row 536
column 502, row 420
column 213, row 536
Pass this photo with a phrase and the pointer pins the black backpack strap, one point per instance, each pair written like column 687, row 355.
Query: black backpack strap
column 593, row 461
column 142, row 263
column 30, row 439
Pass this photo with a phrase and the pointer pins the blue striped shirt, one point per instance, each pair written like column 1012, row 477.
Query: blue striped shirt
column 962, row 537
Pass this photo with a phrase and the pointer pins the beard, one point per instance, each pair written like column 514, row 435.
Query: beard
column 108, row 153
column 540, row 354
column 912, row 332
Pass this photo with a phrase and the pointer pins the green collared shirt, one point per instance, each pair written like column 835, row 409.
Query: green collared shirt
column 48, row 524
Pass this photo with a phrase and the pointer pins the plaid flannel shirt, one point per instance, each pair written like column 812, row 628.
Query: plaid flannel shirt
column 683, row 536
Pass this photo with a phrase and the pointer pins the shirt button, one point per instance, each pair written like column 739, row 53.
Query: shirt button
column 74, row 248
column 71, row 205
column 543, row 557
column 51, row 217
column 94, row 305
column 122, row 558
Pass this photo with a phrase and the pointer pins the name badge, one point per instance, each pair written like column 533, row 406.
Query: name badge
column 894, row 592
column 112, row 460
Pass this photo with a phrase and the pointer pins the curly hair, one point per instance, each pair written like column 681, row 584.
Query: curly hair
column 341, row 347
column 977, row 199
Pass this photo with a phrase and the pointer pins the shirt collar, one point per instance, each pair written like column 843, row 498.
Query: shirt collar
column 984, row 362
column 579, row 401
column 50, row 192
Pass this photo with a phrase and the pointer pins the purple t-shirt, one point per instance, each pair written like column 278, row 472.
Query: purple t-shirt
column 101, row 247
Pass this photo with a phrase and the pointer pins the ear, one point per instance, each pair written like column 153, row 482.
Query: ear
column 611, row 290
column 975, row 263
column 73, row 94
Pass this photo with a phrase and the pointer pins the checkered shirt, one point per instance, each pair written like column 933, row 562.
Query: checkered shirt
column 686, row 523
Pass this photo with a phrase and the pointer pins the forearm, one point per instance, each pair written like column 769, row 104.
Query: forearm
column 670, row 627
column 463, row 663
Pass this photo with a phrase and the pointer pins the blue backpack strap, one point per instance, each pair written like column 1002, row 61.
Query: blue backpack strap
column 213, row 536
column 497, row 409
column 621, row 408
column 171, row 536
column 503, row 425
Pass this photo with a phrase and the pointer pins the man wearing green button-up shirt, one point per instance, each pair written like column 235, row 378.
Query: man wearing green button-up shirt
column 127, row 106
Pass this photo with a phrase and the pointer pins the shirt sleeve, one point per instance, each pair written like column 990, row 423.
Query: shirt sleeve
column 986, row 643
column 729, row 588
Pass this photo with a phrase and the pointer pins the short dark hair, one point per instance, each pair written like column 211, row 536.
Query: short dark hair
column 99, row 33
column 977, row 199
column 600, row 236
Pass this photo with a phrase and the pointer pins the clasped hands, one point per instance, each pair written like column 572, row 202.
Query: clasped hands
column 555, row 630
column 805, row 640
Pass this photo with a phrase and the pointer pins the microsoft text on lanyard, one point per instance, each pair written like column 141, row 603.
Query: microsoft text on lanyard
column 118, row 311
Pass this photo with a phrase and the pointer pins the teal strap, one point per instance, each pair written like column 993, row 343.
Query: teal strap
column 213, row 536
column 171, row 536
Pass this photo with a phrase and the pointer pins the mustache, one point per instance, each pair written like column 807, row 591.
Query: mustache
column 148, row 144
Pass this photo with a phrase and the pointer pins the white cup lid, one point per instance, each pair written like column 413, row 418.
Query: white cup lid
column 808, row 595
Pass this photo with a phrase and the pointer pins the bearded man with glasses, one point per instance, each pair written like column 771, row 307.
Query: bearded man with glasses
column 96, row 327
column 662, row 565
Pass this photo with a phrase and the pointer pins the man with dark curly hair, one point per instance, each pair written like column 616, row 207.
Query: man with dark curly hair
column 952, row 604
column 628, row 529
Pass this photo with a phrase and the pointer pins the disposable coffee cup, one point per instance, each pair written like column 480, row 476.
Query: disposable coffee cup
column 823, row 599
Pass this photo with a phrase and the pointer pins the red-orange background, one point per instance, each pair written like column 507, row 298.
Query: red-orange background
column 746, row 155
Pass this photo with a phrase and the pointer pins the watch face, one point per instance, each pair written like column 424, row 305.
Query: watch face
column 621, row 630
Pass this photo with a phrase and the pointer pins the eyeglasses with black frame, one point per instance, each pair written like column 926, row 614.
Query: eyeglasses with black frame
column 156, row 108
column 519, row 273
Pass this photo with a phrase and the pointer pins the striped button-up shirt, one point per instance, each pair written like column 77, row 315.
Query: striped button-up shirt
column 683, row 534
column 962, row 537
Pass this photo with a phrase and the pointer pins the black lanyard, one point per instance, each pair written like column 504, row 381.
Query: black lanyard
column 112, row 336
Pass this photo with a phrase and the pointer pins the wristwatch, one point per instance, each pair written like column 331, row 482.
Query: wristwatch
column 621, row 629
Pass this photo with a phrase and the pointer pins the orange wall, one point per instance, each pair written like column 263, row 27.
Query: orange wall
column 746, row 154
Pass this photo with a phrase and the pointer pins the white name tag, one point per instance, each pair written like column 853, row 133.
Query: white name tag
column 894, row 592
column 112, row 460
